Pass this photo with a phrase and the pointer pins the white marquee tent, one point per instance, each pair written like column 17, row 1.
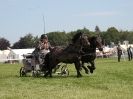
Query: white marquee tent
column 14, row 54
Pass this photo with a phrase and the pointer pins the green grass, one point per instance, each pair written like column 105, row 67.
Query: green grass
column 111, row 80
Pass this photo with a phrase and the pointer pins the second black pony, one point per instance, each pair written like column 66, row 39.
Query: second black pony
column 90, row 52
column 70, row 54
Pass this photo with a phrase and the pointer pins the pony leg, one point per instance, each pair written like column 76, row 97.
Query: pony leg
column 86, row 70
column 48, row 73
column 77, row 66
column 92, row 67
column 48, row 65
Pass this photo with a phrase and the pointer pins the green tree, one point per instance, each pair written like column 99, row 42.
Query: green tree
column 16, row 45
column 123, row 35
column 58, row 38
column 27, row 41
column 112, row 35
column 130, row 37
column 4, row 43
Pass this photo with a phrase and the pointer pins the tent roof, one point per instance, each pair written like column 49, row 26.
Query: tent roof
column 22, row 51
column 6, row 52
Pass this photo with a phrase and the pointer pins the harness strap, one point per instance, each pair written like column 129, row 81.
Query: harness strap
column 89, row 54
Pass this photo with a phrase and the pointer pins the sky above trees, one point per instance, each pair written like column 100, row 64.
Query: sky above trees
column 20, row 17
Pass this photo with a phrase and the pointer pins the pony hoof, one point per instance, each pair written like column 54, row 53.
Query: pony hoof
column 87, row 72
column 78, row 76
column 45, row 76
column 91, row 69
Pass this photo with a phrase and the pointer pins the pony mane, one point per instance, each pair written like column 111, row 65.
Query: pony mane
column 76, row 37
column 92, row 38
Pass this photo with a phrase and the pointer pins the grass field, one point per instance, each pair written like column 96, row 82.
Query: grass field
column 111, row 80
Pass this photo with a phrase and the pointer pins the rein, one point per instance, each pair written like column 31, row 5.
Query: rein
column 89, row 54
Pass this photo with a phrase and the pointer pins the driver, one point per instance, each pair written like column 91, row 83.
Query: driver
column 44, row 44
column 43, row 47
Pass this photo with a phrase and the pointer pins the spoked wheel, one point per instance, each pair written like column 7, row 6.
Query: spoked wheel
column 22, row 72
column 33, row 73
column 36, row 73
column 64, row 71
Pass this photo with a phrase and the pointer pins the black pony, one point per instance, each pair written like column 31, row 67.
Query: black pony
column 70, row 54
column 90, row 52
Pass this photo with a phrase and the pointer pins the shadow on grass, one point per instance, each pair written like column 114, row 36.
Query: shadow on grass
column 53, row 77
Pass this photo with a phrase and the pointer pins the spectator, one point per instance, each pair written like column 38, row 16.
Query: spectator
column 119, row 52
column 130, row 53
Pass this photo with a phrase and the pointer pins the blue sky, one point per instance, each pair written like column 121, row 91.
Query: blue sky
column 20, row 17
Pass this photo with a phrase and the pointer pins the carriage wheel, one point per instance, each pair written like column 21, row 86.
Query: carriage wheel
column 22, row 72
column 35, row 73
column 64, row 71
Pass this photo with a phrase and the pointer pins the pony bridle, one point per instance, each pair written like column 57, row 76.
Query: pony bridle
column 99, row 40
column 81, row 41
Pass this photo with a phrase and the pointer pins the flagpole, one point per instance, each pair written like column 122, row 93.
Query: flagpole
column 43, row 24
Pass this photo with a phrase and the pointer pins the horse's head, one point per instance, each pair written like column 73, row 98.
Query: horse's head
column 80, row 39
column 96, row 42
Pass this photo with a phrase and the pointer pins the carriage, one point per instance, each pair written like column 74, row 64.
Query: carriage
column 82, row 48
column 27, row 65
column 36, row 70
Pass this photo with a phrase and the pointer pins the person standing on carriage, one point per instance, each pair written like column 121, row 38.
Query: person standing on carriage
column 130, row 53
column 119, row 52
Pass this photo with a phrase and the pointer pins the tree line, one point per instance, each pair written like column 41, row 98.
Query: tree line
column 63, row 39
